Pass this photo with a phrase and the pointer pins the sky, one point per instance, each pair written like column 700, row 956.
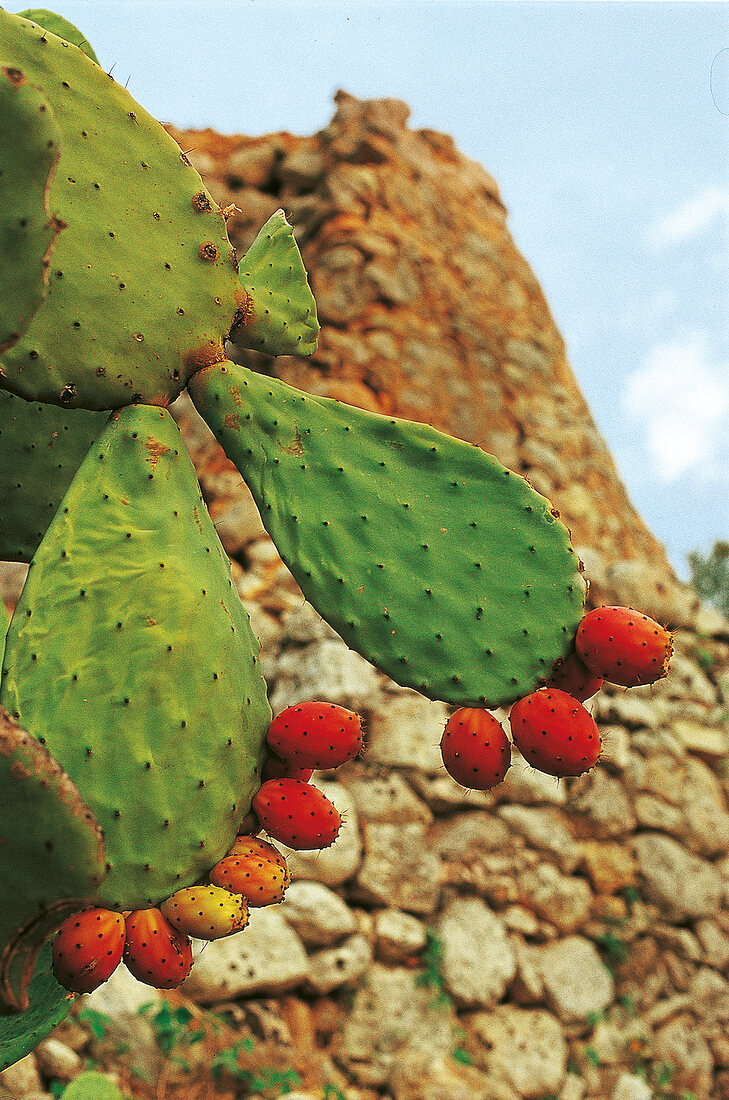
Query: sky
column 606, row 126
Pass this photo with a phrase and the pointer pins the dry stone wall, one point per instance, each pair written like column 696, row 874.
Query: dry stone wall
column 564, row 939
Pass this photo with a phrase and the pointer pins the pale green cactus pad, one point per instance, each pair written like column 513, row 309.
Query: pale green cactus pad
column 30, row 146
column 51, row 855
column 56, row 24
column 131, row 656
column 41, row 448
column 48, row 1005
column 279, row 315
column 446, row 570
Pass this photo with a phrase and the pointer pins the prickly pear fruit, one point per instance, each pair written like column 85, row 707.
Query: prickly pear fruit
column 555, row 733
column 316, row 735
column 154, row 951
column 255, row 846
column 475, row 748
column 624, row 646
column 277, row 768
column 298, row 814
column 206, row 912
column 87, row 949
column 255, row 869
column 573, row 676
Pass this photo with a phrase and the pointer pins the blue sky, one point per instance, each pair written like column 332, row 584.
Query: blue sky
column 607, row 128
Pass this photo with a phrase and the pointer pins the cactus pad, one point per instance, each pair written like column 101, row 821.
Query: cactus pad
column 279, row 313
column 47, row 830
column 442, row 567
column 61, row 27
column 131, row 656
column 30, row 146
column 143, row 284
column 48, row 1005
column 41, row 448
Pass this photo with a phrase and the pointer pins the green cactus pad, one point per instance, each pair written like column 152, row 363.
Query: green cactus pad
column 41, row 448
column 48, row 1005
column 51, row 855
column 61, row 27
column 279, row 315
column 131, row 655
column 143, row 284
column 30, row 147
column 439, row 565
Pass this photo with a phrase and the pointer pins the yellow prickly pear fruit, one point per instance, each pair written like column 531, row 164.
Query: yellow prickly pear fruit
column 206, row 912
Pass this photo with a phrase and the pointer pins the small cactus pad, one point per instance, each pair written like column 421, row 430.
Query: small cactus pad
column 279, row 313
column 131, row 656
column 443, row 568
column 143, row 284
column 30, row 147
column 41, row 448
column 51, row 855
column 48, row 1005
column 61, row 27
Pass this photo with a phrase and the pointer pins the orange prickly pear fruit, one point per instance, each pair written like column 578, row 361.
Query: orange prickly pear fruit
column 255, row 869
column 155, row 952
column 87, row 949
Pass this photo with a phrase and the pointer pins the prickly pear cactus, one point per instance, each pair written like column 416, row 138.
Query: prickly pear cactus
column 444, row 568
column 135, row 709
column 158, row 721
column 162, row 229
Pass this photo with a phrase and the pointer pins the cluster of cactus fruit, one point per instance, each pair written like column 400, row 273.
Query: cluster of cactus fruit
column 138, row 758
column 155, row 943
column 552, row 729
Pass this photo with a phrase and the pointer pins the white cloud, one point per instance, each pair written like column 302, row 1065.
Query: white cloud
column 679, row 399
column 692, row 217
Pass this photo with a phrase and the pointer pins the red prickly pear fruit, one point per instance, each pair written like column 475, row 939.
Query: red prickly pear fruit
column 297, row 814
column 87, row 949
column 624, row 646
column 278, row 768
column 155, row 952
column 475, row 749
column 315, row 735
column 555, row 733
column 206, row 912
column 256, row 870
column 572, row 675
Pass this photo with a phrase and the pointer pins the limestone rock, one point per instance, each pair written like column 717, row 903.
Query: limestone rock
column 576, row 982
column 523, row 1047
column 390, row 1015
column 266, row 957
column 478, row 960
column 398, row 935
column 683, row 885
column 316, row 913
column 398, row 868
column 341, row 965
